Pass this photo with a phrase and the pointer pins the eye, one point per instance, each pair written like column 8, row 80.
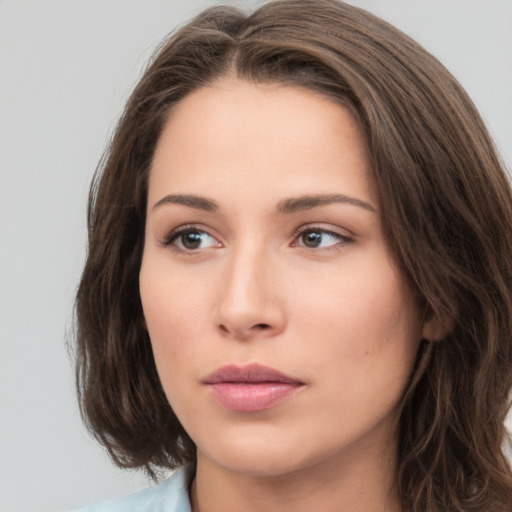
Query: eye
column 319, row 238
column 191, row 239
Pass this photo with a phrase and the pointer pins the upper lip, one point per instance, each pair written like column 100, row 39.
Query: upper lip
column 252, row 373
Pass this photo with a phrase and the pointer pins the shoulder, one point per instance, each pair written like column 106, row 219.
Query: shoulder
column 171, row 495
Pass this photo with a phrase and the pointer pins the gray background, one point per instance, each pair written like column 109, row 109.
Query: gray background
column 66, row 68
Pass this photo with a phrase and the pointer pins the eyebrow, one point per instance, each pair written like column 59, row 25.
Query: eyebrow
column 308, row 202
column 197, row 202
column 287, row 206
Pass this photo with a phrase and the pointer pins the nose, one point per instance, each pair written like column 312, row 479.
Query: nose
column 250, row 303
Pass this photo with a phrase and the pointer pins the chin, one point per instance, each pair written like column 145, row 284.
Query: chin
column 262, row 457
column 258, row 466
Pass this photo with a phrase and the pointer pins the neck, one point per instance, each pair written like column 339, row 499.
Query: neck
column 343, row 482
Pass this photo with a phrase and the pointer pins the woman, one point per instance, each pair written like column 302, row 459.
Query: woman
column 298, row 286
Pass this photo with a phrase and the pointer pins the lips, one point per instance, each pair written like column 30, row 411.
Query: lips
column 250, row 388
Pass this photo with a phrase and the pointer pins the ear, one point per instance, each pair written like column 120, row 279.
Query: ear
column 437, row 327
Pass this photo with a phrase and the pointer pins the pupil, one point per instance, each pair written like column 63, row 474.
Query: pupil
column 312, row 239
column 191, row 240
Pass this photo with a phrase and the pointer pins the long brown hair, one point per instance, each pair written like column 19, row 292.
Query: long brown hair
column 447, row 214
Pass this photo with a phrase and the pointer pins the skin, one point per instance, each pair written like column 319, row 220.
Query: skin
column 336, row 316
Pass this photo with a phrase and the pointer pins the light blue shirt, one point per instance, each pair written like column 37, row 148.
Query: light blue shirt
column 171, row 495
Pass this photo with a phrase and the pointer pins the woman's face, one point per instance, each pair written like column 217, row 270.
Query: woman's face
column 264, row 246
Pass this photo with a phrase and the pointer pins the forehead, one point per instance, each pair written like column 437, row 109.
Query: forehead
column 234, row 135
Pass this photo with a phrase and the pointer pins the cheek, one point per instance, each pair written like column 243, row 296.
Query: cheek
column 364, row 296
column 364, row 318
column 173, row 315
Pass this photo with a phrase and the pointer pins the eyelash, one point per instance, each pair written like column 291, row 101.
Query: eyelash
column 343, row 240
column 175, row 234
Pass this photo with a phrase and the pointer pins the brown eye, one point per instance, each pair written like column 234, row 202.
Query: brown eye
column 312, row 239
column 315, row 238
column 191, row 239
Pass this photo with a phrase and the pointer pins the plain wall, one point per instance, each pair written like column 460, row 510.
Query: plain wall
column 66, row 68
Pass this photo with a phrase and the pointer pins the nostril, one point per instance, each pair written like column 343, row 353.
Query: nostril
column 255, row 327
column 262, row 326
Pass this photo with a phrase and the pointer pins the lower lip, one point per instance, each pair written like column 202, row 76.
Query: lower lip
column 252, row 397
